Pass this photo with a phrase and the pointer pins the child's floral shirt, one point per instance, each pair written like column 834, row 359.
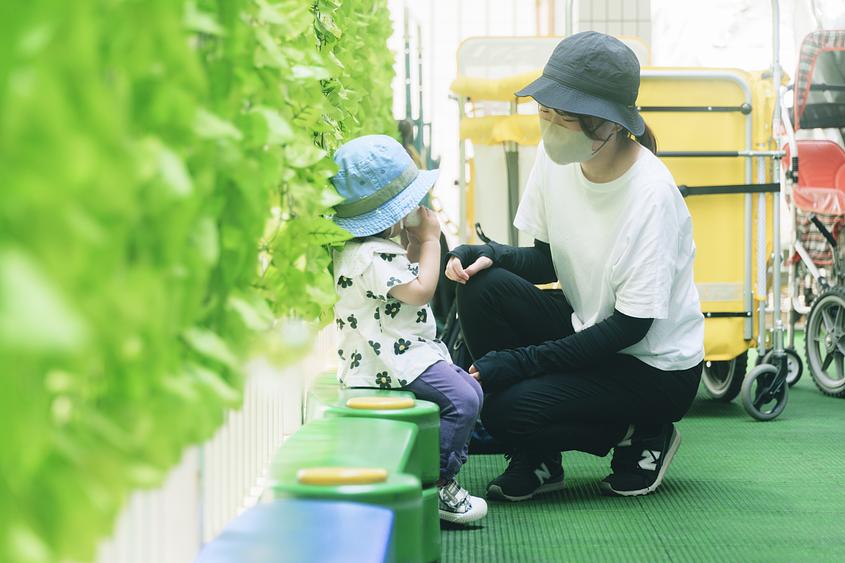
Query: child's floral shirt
column 382, row 342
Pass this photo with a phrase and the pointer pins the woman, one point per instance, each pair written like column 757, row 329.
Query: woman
column 612, row 361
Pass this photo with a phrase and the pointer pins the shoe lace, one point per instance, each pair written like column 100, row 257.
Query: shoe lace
column 625, row 458
column 521, row 463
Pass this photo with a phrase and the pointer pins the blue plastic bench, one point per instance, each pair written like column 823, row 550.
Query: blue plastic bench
column 305, row 531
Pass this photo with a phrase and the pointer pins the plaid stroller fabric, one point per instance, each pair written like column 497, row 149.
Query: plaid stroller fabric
column 814, row 242
column 814, row 45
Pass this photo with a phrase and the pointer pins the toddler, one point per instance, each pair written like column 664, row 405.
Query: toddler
column 385, row 325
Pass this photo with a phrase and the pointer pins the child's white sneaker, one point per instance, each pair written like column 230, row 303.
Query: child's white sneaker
column 457, row 505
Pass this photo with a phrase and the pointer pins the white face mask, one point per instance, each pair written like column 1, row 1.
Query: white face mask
column 565, row 146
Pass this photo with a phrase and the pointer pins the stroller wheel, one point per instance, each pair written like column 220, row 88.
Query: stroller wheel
column 793, row 362
column 723, row 380
column 825, row 341
column 764, row 392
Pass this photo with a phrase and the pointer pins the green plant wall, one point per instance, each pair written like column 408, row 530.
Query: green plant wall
column 164, row 174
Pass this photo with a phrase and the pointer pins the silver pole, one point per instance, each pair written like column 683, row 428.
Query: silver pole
column 776, row 262
column 406, row 34
column 512, row 166
column 761, row 261
column 748, row 297
column 463, row 231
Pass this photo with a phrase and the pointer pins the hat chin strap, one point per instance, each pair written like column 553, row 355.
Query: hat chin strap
column 601, row 146
column 401, row 226
column 607, row 140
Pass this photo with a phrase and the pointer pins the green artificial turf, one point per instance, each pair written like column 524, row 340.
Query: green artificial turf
column 738, row 490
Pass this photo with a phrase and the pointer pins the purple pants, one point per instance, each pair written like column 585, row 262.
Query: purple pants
column 459, row 397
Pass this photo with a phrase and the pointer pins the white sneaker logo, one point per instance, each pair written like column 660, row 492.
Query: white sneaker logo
column 649, row 460
column 542, row 473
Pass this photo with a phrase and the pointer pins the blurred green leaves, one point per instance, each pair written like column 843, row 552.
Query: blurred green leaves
column 165, row 172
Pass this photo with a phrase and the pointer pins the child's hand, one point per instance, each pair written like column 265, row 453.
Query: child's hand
column 427, row 230
column 456, row 272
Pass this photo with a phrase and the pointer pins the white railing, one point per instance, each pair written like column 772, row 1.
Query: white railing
column 219, row 479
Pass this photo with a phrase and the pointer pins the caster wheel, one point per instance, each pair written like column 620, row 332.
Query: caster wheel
column 793, row 362
column 764, row 393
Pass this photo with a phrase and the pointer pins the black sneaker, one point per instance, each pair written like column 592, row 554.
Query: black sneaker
column 638, row 468
column 525, row 477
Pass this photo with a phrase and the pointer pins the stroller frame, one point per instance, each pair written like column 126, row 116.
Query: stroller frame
column 826, row 292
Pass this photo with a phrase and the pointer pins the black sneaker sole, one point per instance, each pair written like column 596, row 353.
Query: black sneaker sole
column 674, row 443
column 495, row 492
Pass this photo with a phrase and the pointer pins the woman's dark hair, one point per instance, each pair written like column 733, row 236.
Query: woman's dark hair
column 647, row 139
column 588, row 126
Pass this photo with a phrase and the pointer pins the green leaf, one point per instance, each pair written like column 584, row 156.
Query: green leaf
column 268, row 53
column 35, row 315
column 26, row 545
column 303, row 156
column 270, row 13
column 209, row 126
column 328, row 24
column 326, row 232
column 203, row 22
column 278, row 129
column 216, row 384
column 210, row 345
column 144, row 474
column 174, row 173
column 253, row 311
column 301, row 72
column 206, row 241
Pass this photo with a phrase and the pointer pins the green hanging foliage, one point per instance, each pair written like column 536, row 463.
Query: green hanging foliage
column 165, row 171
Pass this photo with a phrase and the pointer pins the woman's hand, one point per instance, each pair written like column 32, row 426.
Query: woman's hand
column 501, row 369
column 473, row 373
column 456, row 272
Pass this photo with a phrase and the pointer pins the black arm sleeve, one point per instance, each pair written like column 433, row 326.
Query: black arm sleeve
column 503, row 368
column 533, row 263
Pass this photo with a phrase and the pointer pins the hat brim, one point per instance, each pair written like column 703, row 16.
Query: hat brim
column 377, row 220
column 555, row 95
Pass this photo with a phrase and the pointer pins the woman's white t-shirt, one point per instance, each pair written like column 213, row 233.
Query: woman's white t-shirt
column 625, row 245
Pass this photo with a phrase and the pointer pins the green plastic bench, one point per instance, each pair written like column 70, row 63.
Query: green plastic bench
column 327, row 399
column 370, row 458
column 334, row 401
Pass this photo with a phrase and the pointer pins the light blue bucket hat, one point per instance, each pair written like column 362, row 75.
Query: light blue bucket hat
column 379, row 183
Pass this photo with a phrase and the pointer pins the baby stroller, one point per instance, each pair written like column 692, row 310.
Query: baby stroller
column 816, row 174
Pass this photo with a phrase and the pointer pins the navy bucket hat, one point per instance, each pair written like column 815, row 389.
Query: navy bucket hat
column 379, row 182
column 591, row 73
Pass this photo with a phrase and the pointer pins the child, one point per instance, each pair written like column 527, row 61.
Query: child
column 385, row 325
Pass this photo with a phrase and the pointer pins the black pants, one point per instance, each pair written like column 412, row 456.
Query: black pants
column 587, row 410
